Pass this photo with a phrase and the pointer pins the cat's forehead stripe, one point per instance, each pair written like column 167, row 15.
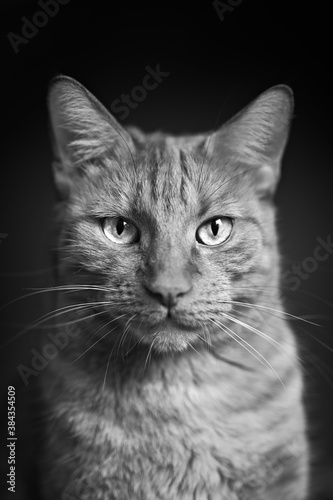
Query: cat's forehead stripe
column 167, row 172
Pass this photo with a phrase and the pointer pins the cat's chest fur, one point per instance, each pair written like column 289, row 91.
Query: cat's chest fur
column 172, row 432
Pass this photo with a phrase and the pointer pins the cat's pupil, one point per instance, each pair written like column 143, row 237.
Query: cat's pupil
column 120, row 226
column 215, row 227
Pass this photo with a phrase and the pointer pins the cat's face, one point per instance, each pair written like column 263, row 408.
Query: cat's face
column 174, row 229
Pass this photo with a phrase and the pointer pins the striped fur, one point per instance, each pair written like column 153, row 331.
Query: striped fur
column 210, row 405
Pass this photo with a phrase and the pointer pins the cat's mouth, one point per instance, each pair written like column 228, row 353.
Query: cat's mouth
column 172, row 320
column 170, row 333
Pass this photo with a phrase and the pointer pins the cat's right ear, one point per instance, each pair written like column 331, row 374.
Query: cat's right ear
column 257, row 136
column 83, row 130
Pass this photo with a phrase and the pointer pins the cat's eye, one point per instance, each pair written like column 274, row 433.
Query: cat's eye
column 120, row 231
column 215, row 231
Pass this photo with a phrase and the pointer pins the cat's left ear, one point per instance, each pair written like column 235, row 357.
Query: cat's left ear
column 257, row 136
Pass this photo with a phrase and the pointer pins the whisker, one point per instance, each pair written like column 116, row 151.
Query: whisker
column 262, row 334
column 111, row 351
column 76, row 320
column 62, row 310
column 317, row 297
column 148, row 357
column 322, row 343
column 195, row 350
column 38, row 291
column 205, row 341
column 104, row 325
column 322, row 368
column 107, row 369
column 268, row 338
column 138, row 341
column 52, row 315
column 249, row 305
column 223, row 328
column 99, row 340
column 265, row 362
column 126, row 328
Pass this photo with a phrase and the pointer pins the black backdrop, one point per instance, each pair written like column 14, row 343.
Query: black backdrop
column 215, row 66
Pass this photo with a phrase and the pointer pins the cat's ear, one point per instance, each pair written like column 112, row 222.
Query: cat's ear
column 83, row 129
column 257, row 136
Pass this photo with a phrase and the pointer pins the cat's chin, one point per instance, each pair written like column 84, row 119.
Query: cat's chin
column 169, row 336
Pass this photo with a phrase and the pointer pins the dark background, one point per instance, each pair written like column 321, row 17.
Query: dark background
column 215, row 67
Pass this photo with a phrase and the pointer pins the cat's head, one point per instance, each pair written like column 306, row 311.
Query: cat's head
column 173, row 228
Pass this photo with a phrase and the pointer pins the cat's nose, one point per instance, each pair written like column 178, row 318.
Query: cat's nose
column 168, row 293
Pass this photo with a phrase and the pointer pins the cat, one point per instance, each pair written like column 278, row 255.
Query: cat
column 181, row 378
